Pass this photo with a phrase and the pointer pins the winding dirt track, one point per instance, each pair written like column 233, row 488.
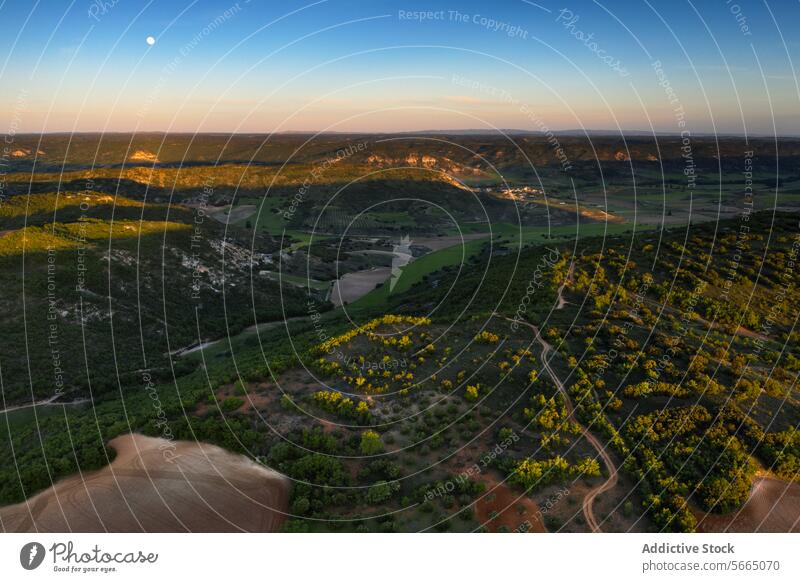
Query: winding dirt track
column 47, row 402
column 613, row 477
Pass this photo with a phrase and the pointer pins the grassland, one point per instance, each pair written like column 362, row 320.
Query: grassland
column 265, row 219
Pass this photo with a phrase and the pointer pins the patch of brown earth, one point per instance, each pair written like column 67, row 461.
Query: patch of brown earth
column 153, row 487
column 256, row 402
column 503, row 506
column 231, row 214
column 355, row 285
column 773, row 506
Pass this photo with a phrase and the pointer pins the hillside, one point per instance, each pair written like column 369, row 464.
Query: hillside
column 456, row 153
column 112, row 285
column 537, row 375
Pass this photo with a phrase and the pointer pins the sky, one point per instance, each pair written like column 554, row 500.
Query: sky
column 710, row 66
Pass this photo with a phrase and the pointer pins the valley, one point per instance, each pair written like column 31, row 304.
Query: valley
column 412, row 335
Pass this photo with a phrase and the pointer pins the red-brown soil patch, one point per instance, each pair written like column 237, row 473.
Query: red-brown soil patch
column 255, row 401
column 201, row 409
column 202, row 488
column 514, row 510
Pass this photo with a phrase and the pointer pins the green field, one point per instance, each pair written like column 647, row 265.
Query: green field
column 415, row 271
column 509, row 235
column 264, row 219
column 528, row 235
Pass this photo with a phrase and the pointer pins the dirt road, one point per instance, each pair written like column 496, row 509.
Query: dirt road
column 31, row 404
column 49, row 402
column 561, row 301
column 613, row 477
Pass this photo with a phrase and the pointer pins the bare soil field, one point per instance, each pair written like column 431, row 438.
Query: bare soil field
column 197, row 487
column 355, row 285
column 774, row 506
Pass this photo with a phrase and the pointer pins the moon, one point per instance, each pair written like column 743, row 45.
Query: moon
column 151, row 40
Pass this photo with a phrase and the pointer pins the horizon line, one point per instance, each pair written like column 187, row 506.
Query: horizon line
column 464, row 132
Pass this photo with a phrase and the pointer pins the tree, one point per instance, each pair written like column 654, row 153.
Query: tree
column 232, row 403
column 379, row 492
column 301, row 505
column 371, row 442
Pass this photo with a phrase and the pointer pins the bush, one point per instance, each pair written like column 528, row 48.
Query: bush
column 371, row 442
column 379, row 492
column 231, row 403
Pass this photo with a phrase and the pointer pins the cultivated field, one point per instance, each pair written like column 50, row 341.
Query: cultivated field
column 152, row 487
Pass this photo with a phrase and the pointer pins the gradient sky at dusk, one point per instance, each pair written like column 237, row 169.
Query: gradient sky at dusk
column 358, row 66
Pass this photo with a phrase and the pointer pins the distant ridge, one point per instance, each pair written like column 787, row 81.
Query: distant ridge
column 590, row 133
column 459, row 132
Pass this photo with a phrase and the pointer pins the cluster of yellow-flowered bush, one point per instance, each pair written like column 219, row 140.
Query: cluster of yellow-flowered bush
column 368, row 328
column 530, row 473
column 648, row 388
column 514, row 359
column 376, row 379
column 486, row 337
column 336, row 403
column 328, row 367
column 549, row 415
